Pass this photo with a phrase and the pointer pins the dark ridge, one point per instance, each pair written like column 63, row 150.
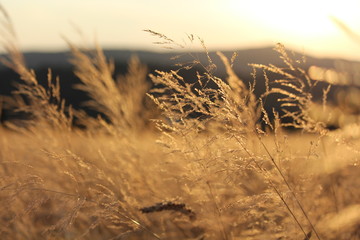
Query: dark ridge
column 59, row 63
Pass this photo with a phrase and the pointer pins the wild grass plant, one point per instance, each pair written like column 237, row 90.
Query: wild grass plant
column 215, row 165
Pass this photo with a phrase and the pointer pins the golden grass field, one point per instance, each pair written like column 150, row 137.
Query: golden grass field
column 149, row 169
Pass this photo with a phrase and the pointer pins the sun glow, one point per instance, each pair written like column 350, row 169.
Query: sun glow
column 299, row 19
column 305, row 25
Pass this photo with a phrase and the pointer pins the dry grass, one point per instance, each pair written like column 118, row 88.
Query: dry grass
column 209, row 171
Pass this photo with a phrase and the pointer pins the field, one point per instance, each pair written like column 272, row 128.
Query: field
column 175, row 159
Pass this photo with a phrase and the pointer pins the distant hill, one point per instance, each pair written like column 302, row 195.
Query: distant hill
column 59, row 63
column 257, row 55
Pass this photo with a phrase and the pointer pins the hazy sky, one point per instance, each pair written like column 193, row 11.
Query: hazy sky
column 223, row 24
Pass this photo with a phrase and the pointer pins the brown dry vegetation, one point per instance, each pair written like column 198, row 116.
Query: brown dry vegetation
column 205, row 169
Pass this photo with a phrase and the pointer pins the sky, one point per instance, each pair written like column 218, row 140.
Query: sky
column 305, row 25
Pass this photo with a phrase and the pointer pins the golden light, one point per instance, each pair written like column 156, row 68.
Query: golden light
column 298, row 19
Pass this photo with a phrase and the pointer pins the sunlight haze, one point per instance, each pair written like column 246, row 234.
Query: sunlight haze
column 304, row 26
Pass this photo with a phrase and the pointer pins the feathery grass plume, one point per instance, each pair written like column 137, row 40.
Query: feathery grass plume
column 294, row 89
column 121, row 101
column 235, row 108
column 183, row 128
column 43, row 104
column 134, row 86
column 166, row 42
column 191, row 103
column 296, row 98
